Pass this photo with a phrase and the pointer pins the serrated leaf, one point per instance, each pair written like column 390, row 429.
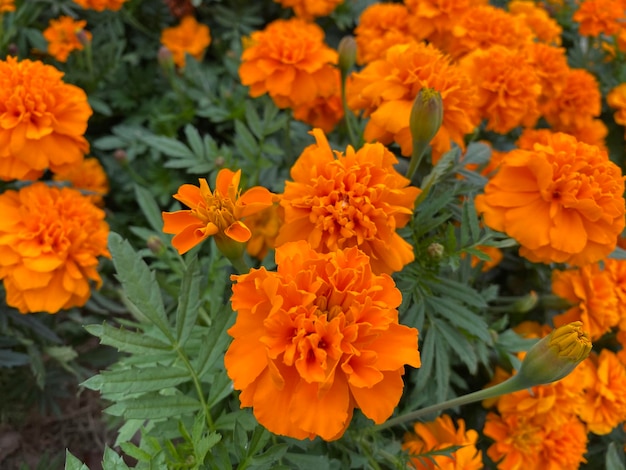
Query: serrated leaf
column 112, row 461
column 427, row 356
column 154, row 406
column 138, row 379
column 442, row 369
column 168, row 146
column 189, row 302
column 195, row 141
column 245, row 141
column 203, row 445
column 613, row 460
column 270, row 456
column 72, row 463
column 459, row 344
column 215, row 343
column 135, row 452
column 253, row 120
column 149, row 208
column 454, row 289
column 139, row 283
column 127, row 341
column 460, row 317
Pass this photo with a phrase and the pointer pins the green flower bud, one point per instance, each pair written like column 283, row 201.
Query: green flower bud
column 426, row 116
column 347, row 54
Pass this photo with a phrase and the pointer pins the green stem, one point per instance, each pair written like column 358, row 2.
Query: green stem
column 347, row 113
column 513, row 384
column 419, row 150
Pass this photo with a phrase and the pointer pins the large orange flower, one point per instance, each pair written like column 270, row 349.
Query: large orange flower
column 50, row 241
column 508, row 87
column 600, row 17
column 42, row 120
column 216, row 213
column 546, row 29
column 550, row 66
column 101, row 5
column 189, row 37
column 356, row 199
column 317, row 339
column 309, row 9
column 381, row 25
column 62, row 37
column 386, row 88
column 441, row 434
column 563, row 202
column 88, row 177
column 289, row 61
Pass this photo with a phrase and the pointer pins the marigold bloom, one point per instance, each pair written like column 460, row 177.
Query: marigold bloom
column 592, row 292
column 441, row 434
column 386, row 89
column 591, row 131
column 101, row 5
column 508, row 87
column 605, row 398
column 356, row 199
column 217, row 213
column 310, row 9
column 317, row 339
column 495, row 256
column 550, row 65
column 88, row 177
column 599, row 17
column 189, row 37
column 570, row 191
column 50, row 241
column 289, row 61
column 7, row 6
column 485, row 26
column 62, row 37
column 616, row 99
column 546, row 29
column 381, row 25
column 264, row 226
column 325, row 111
column 42, row 120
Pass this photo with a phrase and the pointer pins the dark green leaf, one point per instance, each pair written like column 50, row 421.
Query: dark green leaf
column 189, row 302
column 154, row 406
column 137, row 380
column 127, row 341
column 149, row 208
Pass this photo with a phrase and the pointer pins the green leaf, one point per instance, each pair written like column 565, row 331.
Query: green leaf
column 215, row 343
column 204, row 444
column 149, row 208
column 245, row 141
column 139, row 283
column 72, row 463
column 135, row 452
column 614, row 458
column 459, row 344
column 189, row 302
column 155, row 406
column 112, row 461
column 195, row 141
column 442, row 369
column 168, row 146
column 253, row 120
column 10, row 358
column 427, row 355
column 137, row 380
column 127, row 341
column 459, row 316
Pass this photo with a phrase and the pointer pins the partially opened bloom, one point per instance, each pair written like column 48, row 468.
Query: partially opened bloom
column 189, row 37
column 50, row 242
column 563, row 201
column 214, row 213
column 356, row 199
column 62, row 37
column 101, row 5
column 310, row 9
column 386, row 89
column 88, row 177
column 381, row 25
column 289, row 61
column 441, row 434
column 315, row 340
column 42, row 120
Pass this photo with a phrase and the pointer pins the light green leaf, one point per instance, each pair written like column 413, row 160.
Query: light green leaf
column 112, row 461
column 195, row 141
column 168, row 146
column 189, row 302
column 72, row 463
column 613, row 460
column 137, row 379
column 127, row 341
column 149, row 208
column 154, row 406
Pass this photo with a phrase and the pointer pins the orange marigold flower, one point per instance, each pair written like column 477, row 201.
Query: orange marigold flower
column 439, row 435
column 605, row 400
column 617, row 270
column 590, row 131
column 189, row 37
column 310, row 9
column 50, row 241
column 386, row 89
column 572, row 193
column 101, row 5
column 42, row 120
column 599, row 17
column 324, row 111
column 592, row 292
column 381, row 25
column 62, row 37
column 508, row 87
column 88, row 177
column 485, row 26
column 7, row 6
column 616, row 99
column 550, row 64
column 495, row 256
column 546, row 29
column 356, row 199
column 520, row 442
column 579, row 101
column 264, row 226
column 289, row 61
column 317, row 339
column 216, row 213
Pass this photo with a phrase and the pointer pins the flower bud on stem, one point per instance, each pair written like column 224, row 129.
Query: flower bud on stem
column 424, row 123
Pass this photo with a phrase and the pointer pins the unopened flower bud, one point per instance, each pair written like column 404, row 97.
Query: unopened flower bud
column 347, row 53
column 12, row 49
column 426, row 116
column 555, row 355
column 120, row 155
column 84, row 37
column 165, row 58
column 155, row 244
column 219, row 161
column 526, row 303
column 435, row 250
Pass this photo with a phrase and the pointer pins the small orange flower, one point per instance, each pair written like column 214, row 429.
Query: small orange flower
column 599, row 17
column 7, row 6
column 217, row 213
column 50, row 241
column 546, row 29
column 508, row 87
column 317, row 339
column 356, row 199
column 62, row 37
column 88, row 177
column 42, row 120
column 264, row 226
column 381, row 25
column 289, row 61
column 616, row 99
column 495, row 256
column 386, row 89
column 439, row 435
column 101, row 5
column 189, row 37
column 310, row 9
column 563, row 201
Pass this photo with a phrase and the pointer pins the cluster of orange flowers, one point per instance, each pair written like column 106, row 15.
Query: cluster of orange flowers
column 50, row 237
column 65, row 35
column 101, row 5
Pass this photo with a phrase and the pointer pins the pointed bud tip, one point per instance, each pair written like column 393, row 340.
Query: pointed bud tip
column 426, row 116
